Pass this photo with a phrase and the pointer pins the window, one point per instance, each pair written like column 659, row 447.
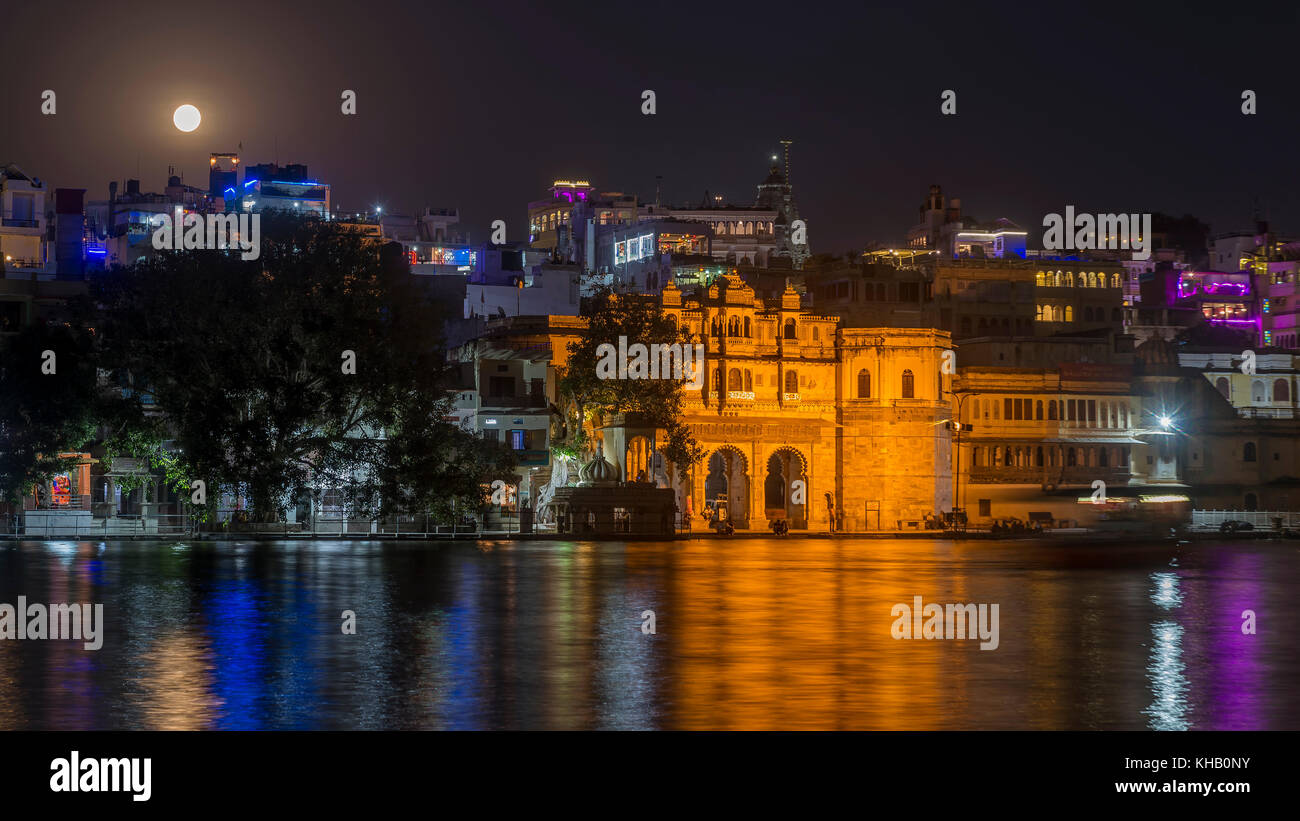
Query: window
column 749, row 380
column 1038, row 413
column 501, row 386
column 1069, row 313
column 864, row 384
column 790, row 329
column 517, row 440
column 733, row 380
column 791, row 382
column 986, row 507
column 748, row 329
column 1248, row 452
column 908, row 385
column 1222, row 385
column 1281, row 391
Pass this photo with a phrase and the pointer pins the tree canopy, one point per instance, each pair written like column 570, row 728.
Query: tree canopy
column 319, row 364
column 611, row 316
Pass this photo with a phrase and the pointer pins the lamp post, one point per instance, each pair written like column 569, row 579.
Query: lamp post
column 956, row 491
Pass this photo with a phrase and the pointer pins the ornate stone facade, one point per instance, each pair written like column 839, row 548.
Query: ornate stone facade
column 856, row 414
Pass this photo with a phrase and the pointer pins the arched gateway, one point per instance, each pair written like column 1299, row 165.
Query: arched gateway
column 782, row 498
column 727, row 477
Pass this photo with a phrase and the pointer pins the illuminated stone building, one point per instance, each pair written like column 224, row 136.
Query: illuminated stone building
column 788, row 395
column 1043, row 419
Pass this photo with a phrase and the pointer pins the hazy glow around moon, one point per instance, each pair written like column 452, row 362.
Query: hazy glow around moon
column 186, row 118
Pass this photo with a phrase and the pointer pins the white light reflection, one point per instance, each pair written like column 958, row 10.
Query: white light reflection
column 1168, row 709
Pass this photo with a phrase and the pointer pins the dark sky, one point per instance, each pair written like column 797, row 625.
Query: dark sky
column 1108, row 107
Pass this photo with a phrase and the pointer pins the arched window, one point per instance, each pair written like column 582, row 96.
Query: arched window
column 1257, row 391
column 1281, row 391
column 1069, row 313
column 1051, row 410
column 790, row 329
column 909, row 388
column 864, row 384
column 1069, row 279
column 1087, row 314
column 1038, row 411
column 791, row 382
column 816, row 334
column 748, row 329
column 749, row 380
column 1041, row 279
column 1039, row 457
column 717, row 379
column 1248, row 452
column 734, row 382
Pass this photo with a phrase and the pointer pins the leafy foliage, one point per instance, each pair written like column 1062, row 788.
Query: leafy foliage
column 246, row 359
column 659, row 401
column 44, row 414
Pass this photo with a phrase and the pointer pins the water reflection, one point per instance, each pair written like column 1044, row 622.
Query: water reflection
column 749, row 634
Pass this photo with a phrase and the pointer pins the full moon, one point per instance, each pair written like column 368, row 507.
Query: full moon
column 186, row 118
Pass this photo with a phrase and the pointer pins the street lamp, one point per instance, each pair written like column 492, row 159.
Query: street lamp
column 956, row 492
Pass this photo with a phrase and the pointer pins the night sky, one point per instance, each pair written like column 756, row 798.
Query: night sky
column 1107, row 107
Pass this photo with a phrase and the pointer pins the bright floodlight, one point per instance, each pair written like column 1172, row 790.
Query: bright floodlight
column 1165, row 422
column 187, row 118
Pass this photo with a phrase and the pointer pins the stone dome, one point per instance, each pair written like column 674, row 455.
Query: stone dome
column 598, row 473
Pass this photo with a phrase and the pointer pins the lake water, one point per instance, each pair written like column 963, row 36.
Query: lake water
column 748, row 634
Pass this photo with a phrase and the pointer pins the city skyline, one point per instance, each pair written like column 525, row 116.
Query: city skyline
column 1024, row 141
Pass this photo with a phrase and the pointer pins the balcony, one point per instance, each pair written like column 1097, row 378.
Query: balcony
column 1022, row 475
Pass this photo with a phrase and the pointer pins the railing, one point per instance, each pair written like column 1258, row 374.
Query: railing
column 1261, row 519
column 44, row 526
column 1266, row 413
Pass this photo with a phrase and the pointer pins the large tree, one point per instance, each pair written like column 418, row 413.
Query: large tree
column 48, row 403
column 319, row 364
column 611, row 316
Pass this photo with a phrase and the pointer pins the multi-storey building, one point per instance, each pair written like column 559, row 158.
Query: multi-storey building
column 1013, row 297
column 269, row 187
column 1043, row 419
